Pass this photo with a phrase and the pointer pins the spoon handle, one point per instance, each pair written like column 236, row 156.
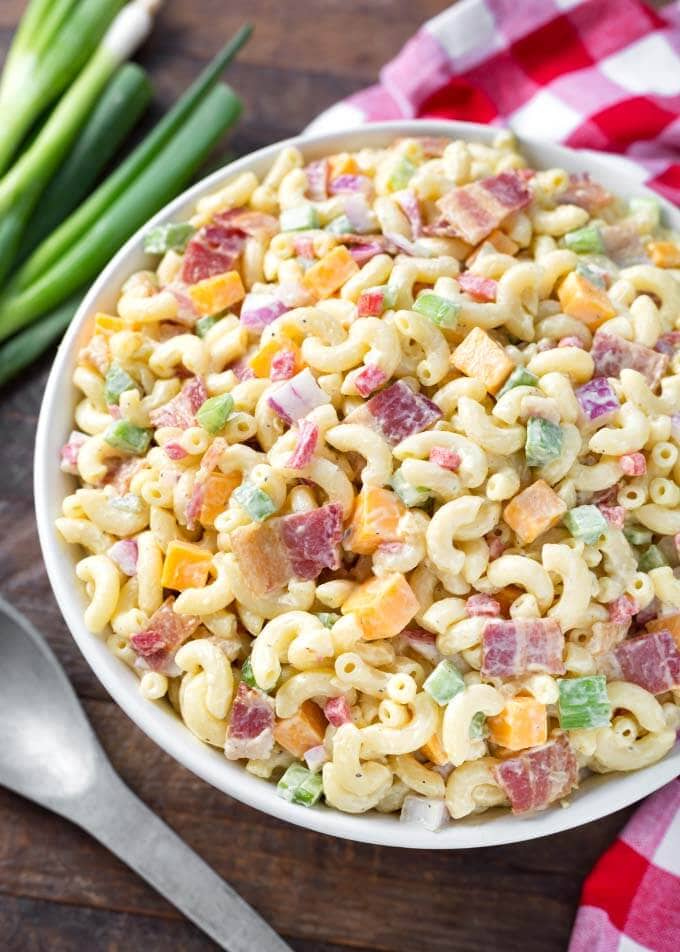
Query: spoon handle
column 119, row 820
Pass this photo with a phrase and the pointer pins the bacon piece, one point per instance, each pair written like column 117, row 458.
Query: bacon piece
column 651, row 660
column 481, row 289
column 120, row 472
column 242, row 369
column 585, row 193
column 174, row 451
column 633, row 464
column 473, row 211
column 423, row 643
column 255, row 224
column 336, row 711
column 283, row 364
column 208, row 464
column 369, row 378
column 262, row 557
column 68, row 454
column 622, row 609
column 312, row 540
column 514, row 648
column 605, row 635
column 482, row 605
column 157, row 643
column 397, row 412
column 251, row 726
column 213, row 250
column 446, row 458
column 181, row 410
column 496, row 546
column 612, row 354
column 623, row 245
column 308, row 438
column 537, row 777
column 363, row 248
column 615, row 515
column 186, row 316
column 317, row 180
column 408, row 202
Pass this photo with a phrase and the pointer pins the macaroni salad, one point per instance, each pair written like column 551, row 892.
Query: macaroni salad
column 378, row 478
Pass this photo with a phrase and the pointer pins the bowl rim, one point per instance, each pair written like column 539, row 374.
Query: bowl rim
column 602, row 795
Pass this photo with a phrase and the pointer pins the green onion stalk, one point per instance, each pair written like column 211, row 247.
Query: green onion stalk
column 54, row 41
column 23, row 184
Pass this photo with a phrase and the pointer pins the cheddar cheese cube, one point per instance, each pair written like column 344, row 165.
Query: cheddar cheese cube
column 330, row 273
column 216, row 294
column 383, row 606
column 261, row 361
column 186, row 566
column 480, row 357
column 376, row 520
column 535, row 510
column 343, row 163
column 217, row 490
column 664, row 254
column 303, row 730
column 669, row 623
column 585, row 301
column 522, row 723
column 434, row 751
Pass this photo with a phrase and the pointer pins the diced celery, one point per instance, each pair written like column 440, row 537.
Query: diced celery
column 301, row 786
column 247, row 675
column 401, row 174
column 214, row 413
column 444, row 682
column 636, row 535
column 583, row 702
column 585, row 241
column 255, row 501
column 299, row 218
column 117, row 382
column 125, row 436
column 204, row 324
column 543, row 441
column 171, row 237
column 478, row 728
column 411, row 496
column 652, row 558
column 520, row 377
column 341, row 226
column 586, row 523
column 593, row 274
column 646, row 210
column 438, row 309
column 328, row 619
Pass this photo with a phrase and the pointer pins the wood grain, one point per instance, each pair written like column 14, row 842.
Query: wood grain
column 59, row 890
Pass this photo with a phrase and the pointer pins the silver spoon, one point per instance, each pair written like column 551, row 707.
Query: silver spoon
column 50, row 754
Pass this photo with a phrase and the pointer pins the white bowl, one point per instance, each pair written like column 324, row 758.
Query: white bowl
column 597, row 797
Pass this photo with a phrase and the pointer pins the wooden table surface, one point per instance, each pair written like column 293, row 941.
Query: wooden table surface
column 60, row 890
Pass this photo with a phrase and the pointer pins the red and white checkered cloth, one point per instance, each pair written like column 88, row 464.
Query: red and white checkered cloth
column 631, row 900
column 591, row 74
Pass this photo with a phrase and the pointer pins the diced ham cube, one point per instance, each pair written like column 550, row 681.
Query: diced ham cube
column 615, row 515
column 478, row 287
column 157, row 644
column 651, row 660
column 473, row 211
column 312, row 540
column 283, row 364
column 612, row 354
column 633, row 464
column 181, row 411
column 371, row 303
column 308, row 438
column 336, row 710
column 585, row 193
column 69, row 453
column 535, row 778
column 397, row 412
column 514, row 648
column 251, row 726
column 446, row 458
column 622, row 609
column 369, row 379
column 482, row 605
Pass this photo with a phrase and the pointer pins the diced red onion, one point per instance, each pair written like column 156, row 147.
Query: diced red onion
column 403, row 244
column 429, row 813
column 259, row 310
column 124, row 554
column 423, row 643
column 317, row 180
column 633, row 464
column 294, row 294
column 350, row 183
column 359, row 213
column 174, row 451
column 297, row 397
column 316, row 757
column 365, row 250
column 69, row 453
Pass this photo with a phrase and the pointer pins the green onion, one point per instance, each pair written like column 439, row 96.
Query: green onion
column 204, row 324
column 543, row 441
column 478, row 728
column 123, row 435
column 160, row 181
column 586, row 240
column 438, row 309
column 444, row 682
column 636, row 535
column 646, row 210
column 586, row 523
column 171, row 237
column 214, row 413
column 170, row 128
column 592, row 274
column 255, row 501
column 401, row 174
column 116, row 383
column 22, row 186
column 341, row 226
column 299, row 785
column 652, row 558
column 328, row 619
column 520, row 377
column 411, row 496
column 299, row 218
column 247, row 675
column 120, row 106
column 55, row 40
column 20, row 352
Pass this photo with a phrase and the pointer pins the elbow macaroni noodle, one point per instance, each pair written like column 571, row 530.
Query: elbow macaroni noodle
column 442, row 511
